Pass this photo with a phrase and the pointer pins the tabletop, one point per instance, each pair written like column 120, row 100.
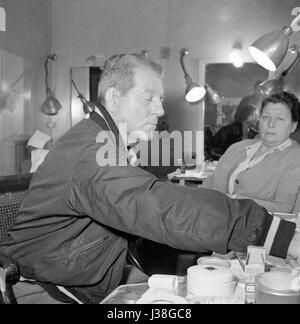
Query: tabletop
column 126, row 294
column 142, row 294
column 192, row 175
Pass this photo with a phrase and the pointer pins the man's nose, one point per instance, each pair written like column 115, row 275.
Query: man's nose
column 158, row 108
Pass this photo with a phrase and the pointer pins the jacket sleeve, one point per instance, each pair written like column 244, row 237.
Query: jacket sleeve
column 133, row 201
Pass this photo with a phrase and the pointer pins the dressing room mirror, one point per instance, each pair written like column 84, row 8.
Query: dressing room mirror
column 233, row 84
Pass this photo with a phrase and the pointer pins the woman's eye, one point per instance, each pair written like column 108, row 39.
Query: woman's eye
column 148, row 99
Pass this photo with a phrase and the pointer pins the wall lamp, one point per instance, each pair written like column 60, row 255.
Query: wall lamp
column 275, row 85
column 270, row 49
column 2, row 19
column 51, row 105
column 87, row 106
column 193, row 92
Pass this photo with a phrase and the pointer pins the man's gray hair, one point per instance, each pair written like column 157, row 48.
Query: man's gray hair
column 119, row 71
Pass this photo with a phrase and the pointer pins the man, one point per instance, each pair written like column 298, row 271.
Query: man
column 72, row 228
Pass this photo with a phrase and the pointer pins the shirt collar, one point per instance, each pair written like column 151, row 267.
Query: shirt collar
column 280, row 147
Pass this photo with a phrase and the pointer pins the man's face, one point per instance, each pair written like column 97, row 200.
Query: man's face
column 141, row 107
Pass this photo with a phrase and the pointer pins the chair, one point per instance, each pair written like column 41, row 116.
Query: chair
column 12, row 193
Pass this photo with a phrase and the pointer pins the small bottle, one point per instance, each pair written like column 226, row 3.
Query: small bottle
column 183, row 166
column 250, row 287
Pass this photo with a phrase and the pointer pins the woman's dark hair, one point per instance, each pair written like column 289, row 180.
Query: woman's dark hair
column 288, row 99
column 243, row 113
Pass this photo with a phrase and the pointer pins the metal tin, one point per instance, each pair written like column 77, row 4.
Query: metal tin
column 275, row 288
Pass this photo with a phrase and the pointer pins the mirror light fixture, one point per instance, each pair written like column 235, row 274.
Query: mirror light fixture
column 88, row 106
column 272, row 86
column 213, row 95
column 270, row 49
column 193, row 92
column 51, row 105
column 235, row 55
column 2, row 19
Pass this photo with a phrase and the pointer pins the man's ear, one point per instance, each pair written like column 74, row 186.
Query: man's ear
column 112, row 97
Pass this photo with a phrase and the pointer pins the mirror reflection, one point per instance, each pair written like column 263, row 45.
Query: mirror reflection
column 235, row 117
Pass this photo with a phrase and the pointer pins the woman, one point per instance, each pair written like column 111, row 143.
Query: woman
column 266, row 169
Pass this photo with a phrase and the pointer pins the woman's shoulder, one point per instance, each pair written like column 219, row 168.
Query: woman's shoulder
column 295, row 145
column 294, row 150
column 291, row 156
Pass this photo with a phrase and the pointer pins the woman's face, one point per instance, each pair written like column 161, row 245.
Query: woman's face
column 276, row 124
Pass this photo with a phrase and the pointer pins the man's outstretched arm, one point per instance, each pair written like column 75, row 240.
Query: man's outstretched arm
column 133, row 201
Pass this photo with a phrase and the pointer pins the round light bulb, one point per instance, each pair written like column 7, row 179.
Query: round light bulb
column 195, row 94
column 236, row 59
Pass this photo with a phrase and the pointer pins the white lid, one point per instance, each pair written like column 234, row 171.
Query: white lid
column 214, row 260
column 210, row 274
column 163, row 281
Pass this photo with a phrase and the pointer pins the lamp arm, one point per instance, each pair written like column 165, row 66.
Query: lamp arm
column 295, row 62
column 186, row 75
column 295, row 23
column 80, row 95
column 46, row 74
column 51, row 57
column 74, row 84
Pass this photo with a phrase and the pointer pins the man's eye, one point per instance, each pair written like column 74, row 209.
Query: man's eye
column 148, row 99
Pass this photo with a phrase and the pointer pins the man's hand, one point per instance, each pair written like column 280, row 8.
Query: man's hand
column 294, row 248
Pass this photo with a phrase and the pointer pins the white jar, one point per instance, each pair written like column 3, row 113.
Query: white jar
column 210, row 280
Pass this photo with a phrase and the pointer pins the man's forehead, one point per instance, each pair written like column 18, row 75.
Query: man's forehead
column 148, row 80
